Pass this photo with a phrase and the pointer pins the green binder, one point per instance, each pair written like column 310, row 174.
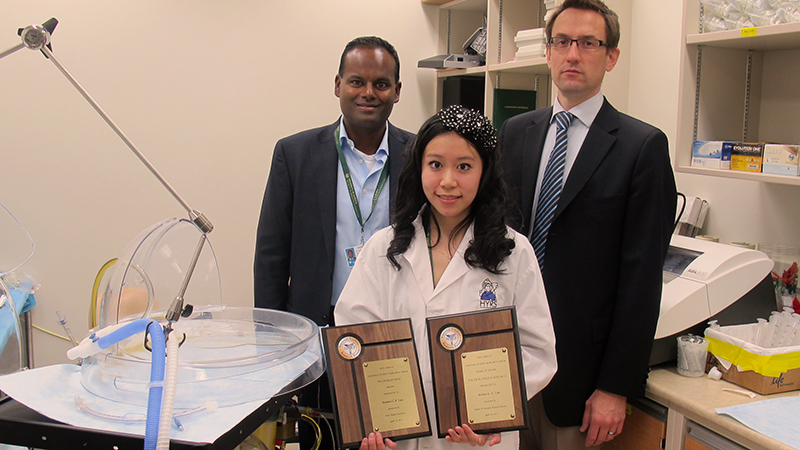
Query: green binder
column 510, row 102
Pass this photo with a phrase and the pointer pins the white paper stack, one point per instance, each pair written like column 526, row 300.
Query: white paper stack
column 530, row 43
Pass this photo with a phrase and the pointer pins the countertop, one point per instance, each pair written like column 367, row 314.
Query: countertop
column 697, row 399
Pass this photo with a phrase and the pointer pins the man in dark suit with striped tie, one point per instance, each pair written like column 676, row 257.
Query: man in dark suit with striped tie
column 596, row 195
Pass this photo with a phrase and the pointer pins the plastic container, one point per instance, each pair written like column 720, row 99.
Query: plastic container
column 692, row 352
column 228, row 355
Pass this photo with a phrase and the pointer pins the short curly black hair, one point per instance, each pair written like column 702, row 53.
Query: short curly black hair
column 371, row 42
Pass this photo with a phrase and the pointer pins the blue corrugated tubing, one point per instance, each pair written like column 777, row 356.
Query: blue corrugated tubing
column 156, row 372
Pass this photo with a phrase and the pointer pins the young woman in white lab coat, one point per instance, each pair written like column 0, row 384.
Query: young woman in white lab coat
column 449, row 251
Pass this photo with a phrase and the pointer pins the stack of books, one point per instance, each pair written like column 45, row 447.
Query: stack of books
column 530, row 43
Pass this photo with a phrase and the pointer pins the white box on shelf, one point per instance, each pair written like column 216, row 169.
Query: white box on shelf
column 712, row 154
column 525, row 56
column 526, row 42
column 529, row 55
column 534, row 33
column 533, row 48
column 552, row 4
column 781, row 159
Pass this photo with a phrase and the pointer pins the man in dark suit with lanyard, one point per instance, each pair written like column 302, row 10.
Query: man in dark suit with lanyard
column 329, row 190
column 596, row 195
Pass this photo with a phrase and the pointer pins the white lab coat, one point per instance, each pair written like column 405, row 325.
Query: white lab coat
column 376, row 290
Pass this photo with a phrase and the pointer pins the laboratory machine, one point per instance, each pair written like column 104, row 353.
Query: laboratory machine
column 705, row 280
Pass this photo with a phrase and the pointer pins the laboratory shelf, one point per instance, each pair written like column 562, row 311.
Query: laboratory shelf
column 502, row 19
column 771, row 37
column 742, row 175
column 460, row 5
column 738, row 86
column 446, row 73
column 534, row 66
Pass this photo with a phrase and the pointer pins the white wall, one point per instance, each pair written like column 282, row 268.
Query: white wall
column 740, row 210
column 204, row 88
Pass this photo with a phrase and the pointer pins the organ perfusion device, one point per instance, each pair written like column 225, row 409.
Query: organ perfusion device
column 227, row 355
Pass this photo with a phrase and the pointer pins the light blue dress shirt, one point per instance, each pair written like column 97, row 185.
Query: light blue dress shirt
column 576, row 134
column 348, row 231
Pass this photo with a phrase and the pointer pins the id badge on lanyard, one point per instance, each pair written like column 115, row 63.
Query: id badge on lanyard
column 351, row 253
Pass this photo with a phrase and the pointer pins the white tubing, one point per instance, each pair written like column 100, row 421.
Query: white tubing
column 168, row 399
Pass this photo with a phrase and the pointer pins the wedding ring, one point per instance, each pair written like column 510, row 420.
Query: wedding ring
column 610, row 433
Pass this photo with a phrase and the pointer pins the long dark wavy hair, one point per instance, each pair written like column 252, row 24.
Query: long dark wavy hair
column 491, row 243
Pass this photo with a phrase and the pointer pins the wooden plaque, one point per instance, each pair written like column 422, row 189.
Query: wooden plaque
column 478, row 377
column 375, row 381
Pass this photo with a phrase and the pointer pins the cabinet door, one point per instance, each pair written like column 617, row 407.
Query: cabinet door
column 641, row 431
column 692, row 444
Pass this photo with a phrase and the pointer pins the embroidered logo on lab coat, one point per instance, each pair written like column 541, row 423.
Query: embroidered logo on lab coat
column 488, row 299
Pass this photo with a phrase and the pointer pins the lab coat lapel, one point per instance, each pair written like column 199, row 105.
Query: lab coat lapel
column 457, row 267
column 420, row 260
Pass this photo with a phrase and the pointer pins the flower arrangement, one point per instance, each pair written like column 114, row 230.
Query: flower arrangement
column 786, row 287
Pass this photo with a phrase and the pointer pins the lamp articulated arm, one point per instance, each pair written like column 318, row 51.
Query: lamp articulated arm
column 37, row 37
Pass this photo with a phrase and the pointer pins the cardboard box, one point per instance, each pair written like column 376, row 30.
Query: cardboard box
column 747, row 157
column 781, row 159
column 712, row 154
column 764, row 385
column 762, row 370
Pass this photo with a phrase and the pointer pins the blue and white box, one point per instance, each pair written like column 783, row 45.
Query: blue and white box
column 712, row 154
column 781, row 159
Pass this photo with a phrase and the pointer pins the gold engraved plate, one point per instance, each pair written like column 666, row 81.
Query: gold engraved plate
column 390, row 390
column 349, row 347
column 451, row 338
column 487, row 385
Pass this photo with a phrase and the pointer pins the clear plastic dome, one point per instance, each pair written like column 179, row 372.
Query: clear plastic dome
column 230, row 355
column 150, row 272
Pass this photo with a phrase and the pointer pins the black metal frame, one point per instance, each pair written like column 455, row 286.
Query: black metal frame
column 20, row 425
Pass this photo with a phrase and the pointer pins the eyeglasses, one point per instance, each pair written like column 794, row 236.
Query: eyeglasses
column 562, row 43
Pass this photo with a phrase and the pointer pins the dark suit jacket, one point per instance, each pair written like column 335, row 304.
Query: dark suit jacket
column 605, row 251
column 297, row 228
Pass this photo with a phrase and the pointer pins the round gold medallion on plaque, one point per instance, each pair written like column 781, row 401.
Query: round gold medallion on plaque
column 349, row 347
column 451, row 338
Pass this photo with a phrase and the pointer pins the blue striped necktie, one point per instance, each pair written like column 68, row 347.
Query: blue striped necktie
column 552, row 183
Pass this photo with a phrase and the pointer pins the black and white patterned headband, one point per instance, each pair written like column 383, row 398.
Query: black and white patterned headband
column 471, row 124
